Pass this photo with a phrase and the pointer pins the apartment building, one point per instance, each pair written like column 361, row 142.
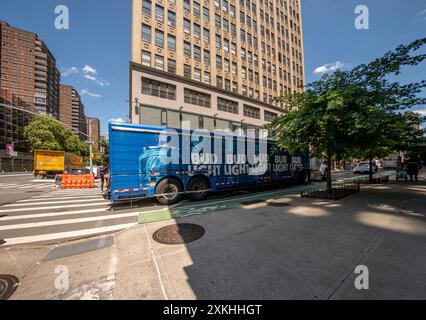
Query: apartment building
column 218, row 64
column 71, row 111
column 28, row 69
column 93, row 131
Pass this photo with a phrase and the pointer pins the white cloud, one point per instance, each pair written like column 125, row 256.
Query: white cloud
column 421, row 111
column 120, row 120
column 88, row 69
column 65, row 72
column 86, row 92
column 423, row 13
column 103, row 83
column 88, row 72
column 88, row 76
column 329, row 67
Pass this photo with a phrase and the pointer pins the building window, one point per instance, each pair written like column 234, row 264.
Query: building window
column 196, row 9
column 206, row 77
column 171, row 19
column 187, row 5
column 159, row 38
column 158, row 89
column 197, row 74
column 171, row 66
column 146, row 33
column 218, row 41
column 171, row 42
column 159, row 62
column 186, row 26
column 187, row 71
column 206, row 14
column 197, row 31
column 206, row 57
column 159, row 13
column 206, row 34
column 227, row 105
column 218, row 62
column 217, row 20
column 146, row 58
column 251, row 112
column 219, row 82
column 187, row 49
column 197, row 53
column 270, row 116
column 197, row 98
column 234, row 87
column 146, row 7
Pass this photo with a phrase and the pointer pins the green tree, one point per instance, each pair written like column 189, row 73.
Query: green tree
column 105, row 152
column 45, row 133
column 356, row 113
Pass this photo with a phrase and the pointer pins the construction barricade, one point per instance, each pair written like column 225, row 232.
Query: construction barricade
column 77, row 181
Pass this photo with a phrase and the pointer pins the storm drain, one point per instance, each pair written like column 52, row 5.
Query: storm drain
column 178, row 233
column 8, row 286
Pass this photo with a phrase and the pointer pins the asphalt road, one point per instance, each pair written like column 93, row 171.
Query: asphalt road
column 35, row 211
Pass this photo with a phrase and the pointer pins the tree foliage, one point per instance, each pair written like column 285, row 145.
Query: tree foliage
column 47, row 134
column 357, row 113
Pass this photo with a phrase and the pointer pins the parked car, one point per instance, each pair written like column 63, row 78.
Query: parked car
column 80, row 171
column 364, row 167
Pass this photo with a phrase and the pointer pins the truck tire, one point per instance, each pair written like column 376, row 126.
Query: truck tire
column 198, row 183
column 172, row 188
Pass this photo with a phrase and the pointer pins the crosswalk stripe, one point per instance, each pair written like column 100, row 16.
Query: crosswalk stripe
column 56, row 198
column 51, row 202
column 27, row 186
column 51, row 214
column 67, row 234
column 9, row 185
column 55, row 207
column 44, row 186
column 68, row 221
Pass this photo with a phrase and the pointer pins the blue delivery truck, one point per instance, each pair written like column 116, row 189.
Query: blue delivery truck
column 166, row 163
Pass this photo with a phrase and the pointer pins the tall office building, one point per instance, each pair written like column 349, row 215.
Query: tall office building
column 215, row 63
column 71, row 111
column 93, row 131
column 28, row 69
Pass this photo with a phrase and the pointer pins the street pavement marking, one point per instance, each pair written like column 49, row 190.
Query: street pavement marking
column 51, row 214
column 50, row 202
column 65, row 235
column 56, row 207
column 33, row 185
column 68, row 221
column 44, row 186
column 37, row 199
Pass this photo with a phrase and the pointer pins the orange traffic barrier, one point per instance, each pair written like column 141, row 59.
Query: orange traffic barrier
column 85, row 181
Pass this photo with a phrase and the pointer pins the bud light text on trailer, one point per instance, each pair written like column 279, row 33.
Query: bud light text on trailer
column 166, row 163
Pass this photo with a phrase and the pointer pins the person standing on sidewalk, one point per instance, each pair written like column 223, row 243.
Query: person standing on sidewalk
column 413, row 169
column 102, row 174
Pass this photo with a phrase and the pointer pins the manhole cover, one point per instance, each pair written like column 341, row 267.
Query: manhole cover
column 8, row 286
column 178, row 233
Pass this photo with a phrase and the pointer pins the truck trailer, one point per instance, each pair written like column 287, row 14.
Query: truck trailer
column 166, row 163
column 48, row 163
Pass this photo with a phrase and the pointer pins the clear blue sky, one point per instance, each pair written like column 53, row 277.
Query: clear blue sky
column 99, row 37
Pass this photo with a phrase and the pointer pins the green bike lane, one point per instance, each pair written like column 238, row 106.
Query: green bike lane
column 187, row 209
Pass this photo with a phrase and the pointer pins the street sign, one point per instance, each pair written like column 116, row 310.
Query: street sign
column 9, row 149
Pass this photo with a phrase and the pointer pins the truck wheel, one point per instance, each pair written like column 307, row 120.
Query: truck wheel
column 169, row 191
column 198, row 184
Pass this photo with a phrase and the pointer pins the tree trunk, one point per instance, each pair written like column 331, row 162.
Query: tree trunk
column 371, row 170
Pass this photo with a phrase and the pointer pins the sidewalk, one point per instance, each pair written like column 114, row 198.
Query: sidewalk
column 307, row 250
